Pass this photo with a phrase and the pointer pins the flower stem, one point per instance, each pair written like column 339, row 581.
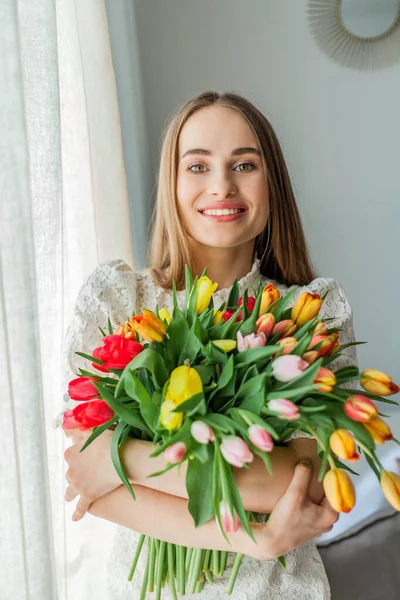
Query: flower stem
column 136, row 556
column 171, row 573
column 180, row 569
column 198, row 557
column 370, row 454
column 153, row 554
column 146, row 573
column 188, row 561
column 160, row 569
column 215, row 562
column 235, row 568
column 223, row 561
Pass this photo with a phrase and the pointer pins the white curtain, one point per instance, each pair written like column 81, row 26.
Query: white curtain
column 64, row 209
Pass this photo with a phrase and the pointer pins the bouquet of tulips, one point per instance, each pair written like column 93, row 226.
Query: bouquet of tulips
column 218, row 387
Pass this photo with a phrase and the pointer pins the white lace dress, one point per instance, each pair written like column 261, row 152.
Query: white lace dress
column 114, row 290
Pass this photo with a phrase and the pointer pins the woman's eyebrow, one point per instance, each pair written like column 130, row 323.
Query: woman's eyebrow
column 236, row 152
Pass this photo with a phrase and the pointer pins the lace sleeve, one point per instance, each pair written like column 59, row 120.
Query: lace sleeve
column 109, row 292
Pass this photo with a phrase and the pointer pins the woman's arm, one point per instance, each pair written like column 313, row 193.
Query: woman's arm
column 294, row 520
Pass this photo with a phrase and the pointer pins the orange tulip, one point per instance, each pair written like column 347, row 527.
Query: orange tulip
column 310, row 356
column 306, row 307
column 343, row 445
column 379, row 430
column 269, row 295
column 339, row 490
column 390, row 483
column 325, row 380
column 287, row 343
column 284, row 328
column 321, row 329
column 149, row 326
column 328, row 342
column 360, row 408
column 378, row 383
column 265, row 324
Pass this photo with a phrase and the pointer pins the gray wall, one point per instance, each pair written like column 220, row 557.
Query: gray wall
column 339, row 128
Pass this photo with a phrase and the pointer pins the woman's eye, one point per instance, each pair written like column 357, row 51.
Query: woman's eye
column 197, row 168
column 247, row 167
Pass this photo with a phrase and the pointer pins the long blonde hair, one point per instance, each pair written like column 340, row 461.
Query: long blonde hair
column 281, row 246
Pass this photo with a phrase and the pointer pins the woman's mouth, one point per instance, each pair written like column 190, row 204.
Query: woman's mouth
column 223, row 214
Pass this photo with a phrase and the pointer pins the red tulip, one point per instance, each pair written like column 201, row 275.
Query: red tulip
column 360, row 408
column 250, row 306
column 87, row 415
column 116, row 352
column 82, row 388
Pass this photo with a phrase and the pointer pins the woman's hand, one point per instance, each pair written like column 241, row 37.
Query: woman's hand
column 295, row 518
column 91, row 473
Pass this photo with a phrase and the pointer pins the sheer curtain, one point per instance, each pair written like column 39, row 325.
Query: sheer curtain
column 64, row 209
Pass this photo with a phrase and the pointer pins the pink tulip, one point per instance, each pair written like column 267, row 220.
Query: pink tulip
column 253, row 340
column 265, row 324
column 284, row 328
column 175, row 453
column 202, row 432
column 260, row 438
column 229, row 525
column 235, row 451
column 286, row 409
column 286, row 368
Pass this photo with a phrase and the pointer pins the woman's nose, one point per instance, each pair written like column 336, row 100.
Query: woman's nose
column 222, row 187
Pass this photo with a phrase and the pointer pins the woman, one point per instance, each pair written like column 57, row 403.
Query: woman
column 224, row 201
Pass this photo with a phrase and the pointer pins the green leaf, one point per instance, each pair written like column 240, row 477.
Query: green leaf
column 199, row 477
column 251, row 387
column 91, row 358
column 283, row 302
column 216, row 492
column 192, row 345
column 188, row 286
column 98, row 431
column 103, row 333
column 373, row 466
column 220, row 422
column 254, row 403
column 151, row 360
column 149, row 405
column 294, row 394
column 192, row 405
column 115, row 456
column 226, row 472
column 110, row 327
column 258, row 420
column 206, row 372
column 252, row 355
column 122, row 410
column 233, row 297
column 177, row 331
column 225, row 378
column 332, row 357
column 180, row 435
column 201, row 451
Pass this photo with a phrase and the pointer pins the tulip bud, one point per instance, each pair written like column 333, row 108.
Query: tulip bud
column 175, row 453
column 168, row 418
column 149, row 326
column 360, row 408
column 390, row 483
column 306, row 307
column 339, row 490
column 265, row 324
column 379, row 430
column 202, row 432
column 343, row 445
column 225, row 345
column 325, row 380
column 284, row 328
column 378, row 383
column 82, row 388
column 184, row 383
column 218, row 317
column 287, row 343
column 286, row 368
column 260, row 438
column 235, row 451
column 164, row 314
column 328, row 342
column 253, row 340
column 269, row 295
column 321, row 329
column 310, row 357
column 205, row 289
column 286, row 409
column 230, row 524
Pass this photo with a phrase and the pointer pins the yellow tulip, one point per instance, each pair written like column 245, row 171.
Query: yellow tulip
column 184, row 383
column 217, row 319
column 168, row 418
column 269, row 295
column 164, row 314
column 378, row 383
column 343, row 445
column 225, row 345
column 325, row 379
column 205, row 289
column 306, row 307
column 339, row 490
column 379, row 430
column 390, row 483
column 149, row 326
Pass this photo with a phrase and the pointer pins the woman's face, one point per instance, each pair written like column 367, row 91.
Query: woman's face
column 220, row 169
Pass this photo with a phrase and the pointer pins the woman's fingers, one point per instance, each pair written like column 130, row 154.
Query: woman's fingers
column 70, row 493
column 81, row 509
column 301, row 479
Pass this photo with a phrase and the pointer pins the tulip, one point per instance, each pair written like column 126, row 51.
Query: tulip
column 306, row 307
column 253, row 340
column 126, row 330
column 286, row 368
column 339, row 490
column 286, row 409
column 328, row 343
column 87, row 415
column 250, row 305
column 343, row 445
column 165, row 315
column 269, row 295
column 310, row 357
column 202, row 432
column 321, row 329
column 225, row 345
column 284, row 328
column 359, row 408
column 325, row 380
column 116, row 352
column 175, row 453
column 82, row 388
column 390, row 483
column 229, row 524
column 378, row 383
column 265, row 324
column 205, row 289
column 150, row 327
column 250, row 302
column 379, row 430
column 184, row 383
column 218, row 317
column 260, row 438
column 287, row 343
column 169, row 419
column 235, row 451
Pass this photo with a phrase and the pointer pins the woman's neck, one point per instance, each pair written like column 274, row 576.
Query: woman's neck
column 223, row 264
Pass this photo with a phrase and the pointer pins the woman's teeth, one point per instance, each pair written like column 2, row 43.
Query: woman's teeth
column 221, row 212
